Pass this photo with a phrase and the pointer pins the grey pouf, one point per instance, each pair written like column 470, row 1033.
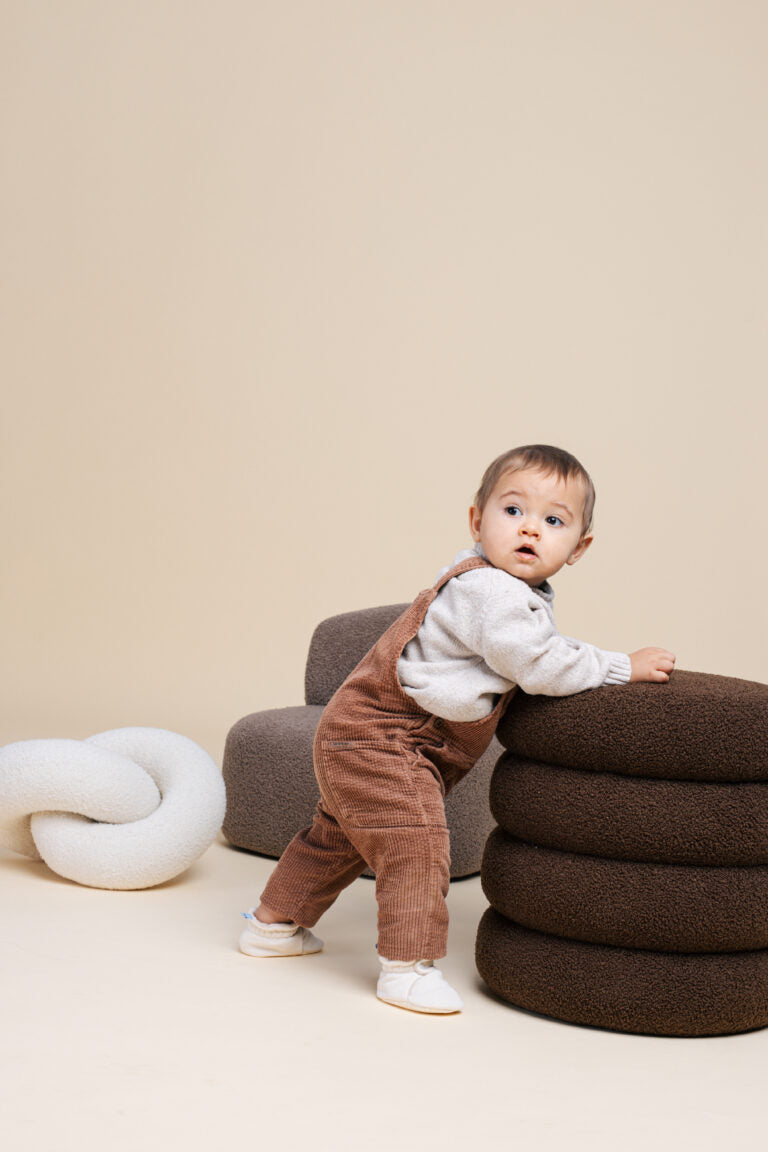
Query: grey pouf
column 268, row 771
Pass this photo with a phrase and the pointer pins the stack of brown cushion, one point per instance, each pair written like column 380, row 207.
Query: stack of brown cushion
column 628, row 877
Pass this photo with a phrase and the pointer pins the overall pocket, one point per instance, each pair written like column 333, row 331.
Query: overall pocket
column 369, row 783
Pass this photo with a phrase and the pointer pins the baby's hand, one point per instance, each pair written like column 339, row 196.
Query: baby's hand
column 651, row 664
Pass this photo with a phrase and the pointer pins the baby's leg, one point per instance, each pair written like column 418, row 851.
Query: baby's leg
column 412, row 867
column 388, row 801
column 266, row 915
column 316, row 866
column 412, row 878
column 405, row 840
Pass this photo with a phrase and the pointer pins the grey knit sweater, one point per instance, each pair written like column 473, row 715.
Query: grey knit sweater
column 488, row 632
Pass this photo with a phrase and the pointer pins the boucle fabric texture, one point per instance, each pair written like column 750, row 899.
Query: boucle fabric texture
column 628, row 990
column 667, row 908
column 271, row 785
column 128, row 808
column 628, row 879
column 696, row 727
column 630, row 818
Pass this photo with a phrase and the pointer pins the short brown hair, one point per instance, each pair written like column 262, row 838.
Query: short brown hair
column 540, row 458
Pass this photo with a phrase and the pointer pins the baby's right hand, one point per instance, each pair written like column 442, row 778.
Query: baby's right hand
column 651, row 664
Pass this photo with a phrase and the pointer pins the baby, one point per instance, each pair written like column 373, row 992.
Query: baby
column 421, row 708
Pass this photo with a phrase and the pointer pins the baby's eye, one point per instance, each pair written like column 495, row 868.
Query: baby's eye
column 555, row 521
column 513, row 510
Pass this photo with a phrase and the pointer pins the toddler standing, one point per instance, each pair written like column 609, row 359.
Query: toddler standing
column 421, row 708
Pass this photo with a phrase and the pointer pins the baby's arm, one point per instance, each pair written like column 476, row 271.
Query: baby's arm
column 649, row 664
column 516, row 635
column 652, row 664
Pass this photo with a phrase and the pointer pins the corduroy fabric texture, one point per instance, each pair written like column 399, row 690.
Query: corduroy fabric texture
column 272, row 790
column 628, row 880
column 383, row 766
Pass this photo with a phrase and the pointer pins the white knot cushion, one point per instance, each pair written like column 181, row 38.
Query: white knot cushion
column 128, row 808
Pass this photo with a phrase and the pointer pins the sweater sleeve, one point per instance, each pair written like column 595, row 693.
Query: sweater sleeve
column 516, row 635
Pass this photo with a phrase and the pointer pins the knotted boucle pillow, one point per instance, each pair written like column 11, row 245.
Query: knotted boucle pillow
column 128, row 808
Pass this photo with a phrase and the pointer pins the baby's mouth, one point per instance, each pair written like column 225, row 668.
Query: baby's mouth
column 525, row 550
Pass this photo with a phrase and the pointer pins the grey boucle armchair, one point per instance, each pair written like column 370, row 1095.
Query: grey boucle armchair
column 271, row 786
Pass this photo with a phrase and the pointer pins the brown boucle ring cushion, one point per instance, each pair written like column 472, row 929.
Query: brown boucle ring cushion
column 696, row 727
column 653, row 993
column 628, row 818
column 661, row 907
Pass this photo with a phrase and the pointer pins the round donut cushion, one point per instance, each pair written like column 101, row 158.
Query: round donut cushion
column 160, row 804
column 653, row 993
column 663, row 907
column 695, row 727
column 629, row 818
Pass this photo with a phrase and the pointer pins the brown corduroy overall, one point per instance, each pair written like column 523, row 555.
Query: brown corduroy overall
column 383, row 765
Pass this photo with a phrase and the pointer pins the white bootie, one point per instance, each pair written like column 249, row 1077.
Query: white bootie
column 418, row 986
column 258, row 939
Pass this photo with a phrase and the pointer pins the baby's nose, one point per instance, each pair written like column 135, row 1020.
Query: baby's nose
column 529, row 527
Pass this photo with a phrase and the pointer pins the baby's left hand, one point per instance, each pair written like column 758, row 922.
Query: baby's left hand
column 651, row 664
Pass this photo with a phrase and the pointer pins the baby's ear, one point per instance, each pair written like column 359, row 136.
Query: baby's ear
column 580, row 549
column 475, row 517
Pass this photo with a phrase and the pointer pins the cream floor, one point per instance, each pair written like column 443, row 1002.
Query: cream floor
column 130, row 1021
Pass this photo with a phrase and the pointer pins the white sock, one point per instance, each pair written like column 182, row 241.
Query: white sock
column 277, row 929
column 402, row 965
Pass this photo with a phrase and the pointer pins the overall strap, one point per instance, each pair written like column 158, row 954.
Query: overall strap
column 459, row 569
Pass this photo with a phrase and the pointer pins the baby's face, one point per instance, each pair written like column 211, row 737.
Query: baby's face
column 531, row 525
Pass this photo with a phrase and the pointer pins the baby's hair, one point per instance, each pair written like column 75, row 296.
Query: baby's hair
column 540, row 458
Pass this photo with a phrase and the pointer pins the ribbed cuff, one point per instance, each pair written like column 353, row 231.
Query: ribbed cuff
column 274, row 929
column 619, row 669
column 400, row 965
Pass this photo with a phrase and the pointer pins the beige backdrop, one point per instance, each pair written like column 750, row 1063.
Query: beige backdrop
column 279, row 279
